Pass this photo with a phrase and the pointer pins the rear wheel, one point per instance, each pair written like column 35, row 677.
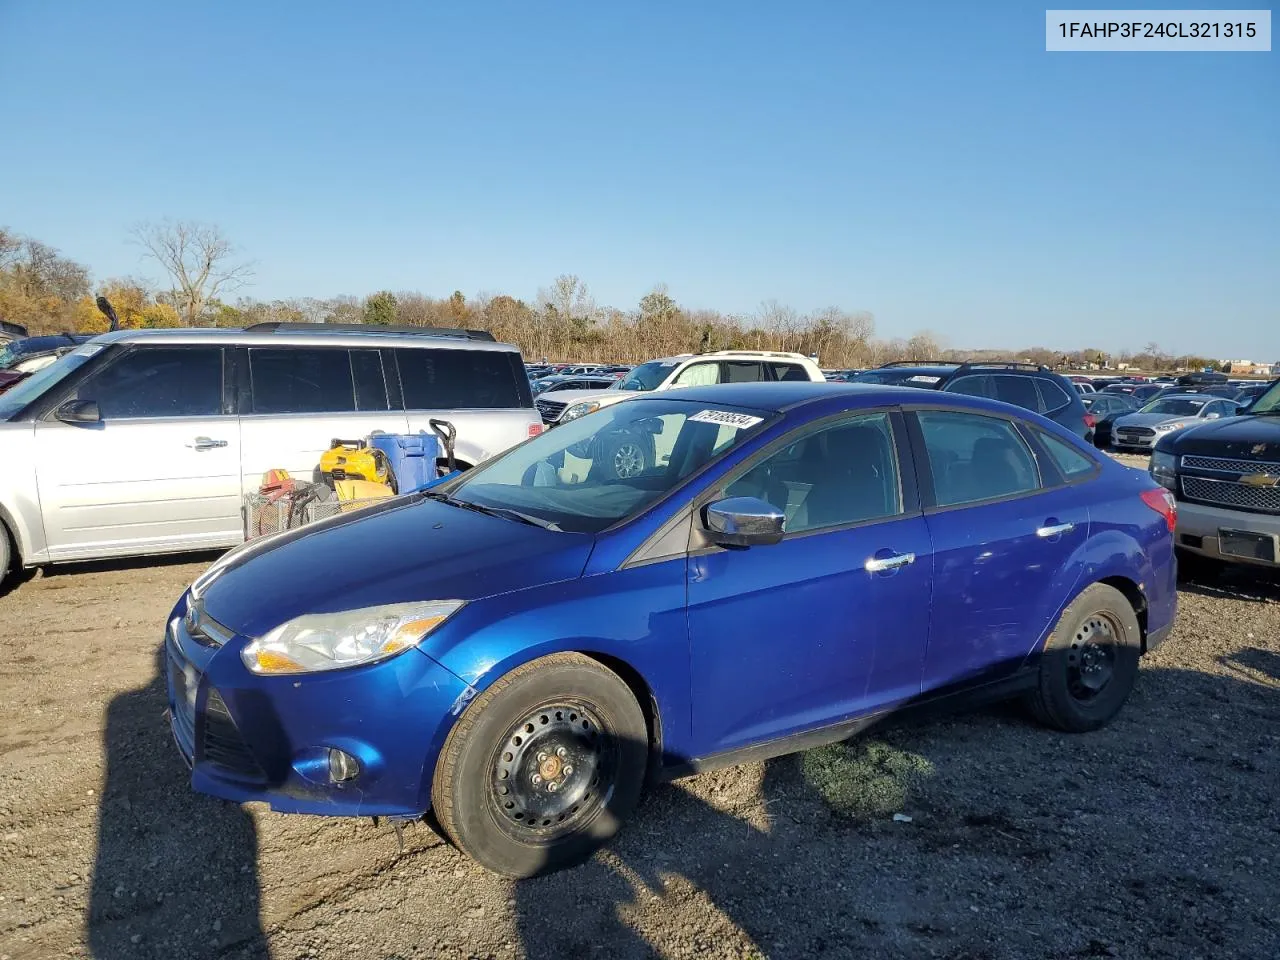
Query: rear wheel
column 543, row 767
column 1090, row 662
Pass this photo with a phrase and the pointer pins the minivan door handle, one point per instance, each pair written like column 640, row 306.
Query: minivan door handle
column 879, row 564
column 1052, row 529
column 204, row 443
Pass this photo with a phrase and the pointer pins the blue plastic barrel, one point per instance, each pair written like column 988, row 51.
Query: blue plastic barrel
column 411, row 457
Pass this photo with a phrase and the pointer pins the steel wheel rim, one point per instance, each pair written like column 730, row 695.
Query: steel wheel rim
column 628, row 460
column 1093, row 657
column 553, row 772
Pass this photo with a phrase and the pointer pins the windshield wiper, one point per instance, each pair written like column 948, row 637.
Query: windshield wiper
column 506, row 513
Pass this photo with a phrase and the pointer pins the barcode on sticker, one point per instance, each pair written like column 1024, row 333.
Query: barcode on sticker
column 739, row 421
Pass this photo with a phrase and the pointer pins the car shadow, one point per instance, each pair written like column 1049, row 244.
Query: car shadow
column 175, row 873
column 1230, row 581
column 804, row 864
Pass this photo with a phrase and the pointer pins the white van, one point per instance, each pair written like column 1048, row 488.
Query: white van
column 146, row 441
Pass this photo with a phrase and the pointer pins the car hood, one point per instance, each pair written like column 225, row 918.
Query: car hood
column 1147, row 419
column 1242, row 437
column 570, row 397
column 409, row 549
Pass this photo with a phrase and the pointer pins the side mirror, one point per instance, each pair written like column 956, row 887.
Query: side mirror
column 744, row 522
column 79, row 411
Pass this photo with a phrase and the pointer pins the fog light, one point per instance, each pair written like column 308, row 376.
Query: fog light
column 342, row 766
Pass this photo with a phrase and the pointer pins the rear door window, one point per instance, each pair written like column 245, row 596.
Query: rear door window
column 302, row 380
column 461, row 379
column 158, row 382
column 741, row 371
column 1020, row 391
column 974, row 457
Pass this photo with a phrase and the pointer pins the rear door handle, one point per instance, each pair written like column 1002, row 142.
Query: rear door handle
column 204, row 443
column 881, row 564
column 1054, row 530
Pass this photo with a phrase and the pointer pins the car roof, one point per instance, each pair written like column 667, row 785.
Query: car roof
column 319, row 337
column 790, row 394
column 1202, row 397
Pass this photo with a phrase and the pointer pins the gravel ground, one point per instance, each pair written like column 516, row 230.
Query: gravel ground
column 1157, row 837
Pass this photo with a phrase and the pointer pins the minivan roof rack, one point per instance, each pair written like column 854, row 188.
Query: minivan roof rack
column 918, row 363
column 288, row 327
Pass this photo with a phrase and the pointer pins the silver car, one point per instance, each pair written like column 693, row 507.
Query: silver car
column 1140, row 430
column 146, row 441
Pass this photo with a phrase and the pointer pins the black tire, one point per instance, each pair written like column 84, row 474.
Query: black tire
column 625, row 456
column 542, row 718
column 6, row 555
column 1089, row 663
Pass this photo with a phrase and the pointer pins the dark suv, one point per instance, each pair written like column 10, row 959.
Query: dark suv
column 1026, row 385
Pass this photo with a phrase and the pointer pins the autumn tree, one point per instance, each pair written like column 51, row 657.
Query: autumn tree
column 199, row 260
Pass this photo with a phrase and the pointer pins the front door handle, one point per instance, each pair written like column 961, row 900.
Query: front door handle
column 1054, row 530
column 204, row 443
column 881, row 564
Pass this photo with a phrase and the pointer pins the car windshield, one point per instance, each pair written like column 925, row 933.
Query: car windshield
column 1269, row 402
column 13, row 400
column 590, row 473
column 9, row 355
column 1175, row 407
column 647, row 376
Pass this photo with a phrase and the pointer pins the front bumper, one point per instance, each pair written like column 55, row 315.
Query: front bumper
column 251, row 738
column 1199, row 524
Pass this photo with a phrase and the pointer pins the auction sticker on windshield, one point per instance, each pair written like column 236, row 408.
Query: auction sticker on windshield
column 739, row 421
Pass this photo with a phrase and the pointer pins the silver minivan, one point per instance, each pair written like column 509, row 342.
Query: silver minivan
column 146, row 441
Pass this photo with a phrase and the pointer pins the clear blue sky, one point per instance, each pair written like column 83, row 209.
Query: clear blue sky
column 929, row 163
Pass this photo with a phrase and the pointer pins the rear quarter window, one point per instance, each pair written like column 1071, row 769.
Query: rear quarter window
column 436, row 379
column 1071, row 463
column 1052, row 395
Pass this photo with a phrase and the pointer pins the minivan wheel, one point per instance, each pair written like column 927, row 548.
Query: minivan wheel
column 543, row 767
column 1089, row 663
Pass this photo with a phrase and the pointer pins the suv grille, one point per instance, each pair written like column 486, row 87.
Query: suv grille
column 1231, row 466
column 222, row 743
column 549, row 409
column 1230, row 493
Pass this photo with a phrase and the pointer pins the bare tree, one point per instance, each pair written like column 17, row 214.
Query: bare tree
column 199, row 261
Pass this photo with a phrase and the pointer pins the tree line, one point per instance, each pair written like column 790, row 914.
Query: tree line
column 50, row 293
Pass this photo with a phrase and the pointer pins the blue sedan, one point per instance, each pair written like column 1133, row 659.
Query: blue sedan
column 520, row 648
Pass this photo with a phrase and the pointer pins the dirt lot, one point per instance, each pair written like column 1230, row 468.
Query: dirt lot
column 1158, row 837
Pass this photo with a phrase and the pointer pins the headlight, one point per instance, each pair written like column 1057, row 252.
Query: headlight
column 331, row 641
column 579, row 410
column 1166, row 427
column 1164, row 469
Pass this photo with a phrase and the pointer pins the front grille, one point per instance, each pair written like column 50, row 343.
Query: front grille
column 1225, row 465
column 1228, row 493
column 550, row 410
column 222, row 744
column 1136, row 432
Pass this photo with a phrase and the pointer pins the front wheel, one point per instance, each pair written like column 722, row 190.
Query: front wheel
column 1090, row 662
column 543, row 767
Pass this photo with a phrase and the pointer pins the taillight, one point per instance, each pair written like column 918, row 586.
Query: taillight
column 535, row 429
column 1162, row 502
column 1090, row 420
